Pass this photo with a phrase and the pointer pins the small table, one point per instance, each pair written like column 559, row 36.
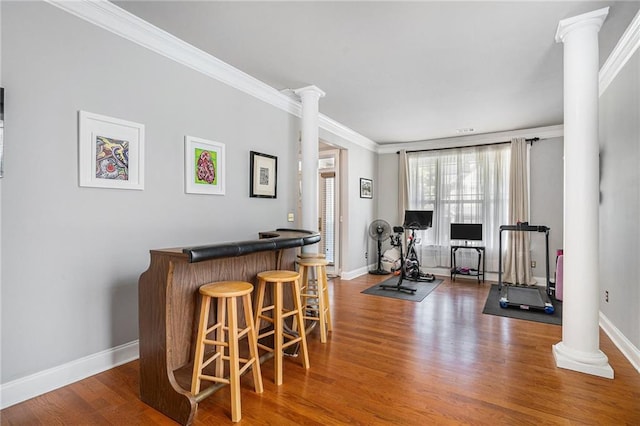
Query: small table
column 478, row 272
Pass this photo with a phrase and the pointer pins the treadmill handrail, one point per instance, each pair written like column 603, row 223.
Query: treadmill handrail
column 525, row 227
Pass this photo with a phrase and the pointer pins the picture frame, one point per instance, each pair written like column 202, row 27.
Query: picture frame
column 263, row 177
column 366, row 188
column 110, row 152
column 1, row 132
column 204, row 165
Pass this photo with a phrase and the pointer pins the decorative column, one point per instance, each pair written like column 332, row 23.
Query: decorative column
column 310, row 97
column 579, row 349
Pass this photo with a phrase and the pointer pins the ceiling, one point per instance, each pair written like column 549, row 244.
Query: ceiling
column 398, row 71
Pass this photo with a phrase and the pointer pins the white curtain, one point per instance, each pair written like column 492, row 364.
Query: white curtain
column 517, row 266
column 403, row 191
column 466, row 185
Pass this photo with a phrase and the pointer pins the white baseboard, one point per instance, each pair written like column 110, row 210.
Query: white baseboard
column 28, row 387
column 349, row 275
column 626, row 347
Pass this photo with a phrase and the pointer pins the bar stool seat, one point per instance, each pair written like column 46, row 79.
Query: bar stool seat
column 312, row 256
column 275, row 279
column 227, row 336
column 315, row 294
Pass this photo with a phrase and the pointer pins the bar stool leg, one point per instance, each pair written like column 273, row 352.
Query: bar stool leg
column 325, row 294
column 222, row 320
column 304, row 288
column 199, row 356
column 300, row 319
column 322, row 318
column 253, row 344
column 259, row 304
column 278, row 329
column 234, row 360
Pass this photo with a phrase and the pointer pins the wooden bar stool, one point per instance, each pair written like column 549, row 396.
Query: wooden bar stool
column 304, row 279
column 278, row 313
column 315, row 294
column 226, row 293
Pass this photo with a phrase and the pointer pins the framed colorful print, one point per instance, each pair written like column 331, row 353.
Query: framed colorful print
column 366, row 188
column 110, row 151
column 263, row 181
column 204, row 166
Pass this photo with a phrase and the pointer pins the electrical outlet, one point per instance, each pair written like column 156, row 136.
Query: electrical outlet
column 606, row 296
column 290, row 217
column 533, row 263
column 366, row 255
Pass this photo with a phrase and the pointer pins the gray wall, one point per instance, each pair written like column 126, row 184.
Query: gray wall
column 620, row 201
column 388, row 185
column 356, row 212
column 546, row 195
column 72, row 256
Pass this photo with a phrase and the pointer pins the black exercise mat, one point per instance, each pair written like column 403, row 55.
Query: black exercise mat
column 492, row 307
column 423, row 289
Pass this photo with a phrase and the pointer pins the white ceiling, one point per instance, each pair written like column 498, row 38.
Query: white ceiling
column 398, row 71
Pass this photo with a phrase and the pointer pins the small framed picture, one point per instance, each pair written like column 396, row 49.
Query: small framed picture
column 263, row 180
column 111, row 152
column 204, row 166
column 366, row 188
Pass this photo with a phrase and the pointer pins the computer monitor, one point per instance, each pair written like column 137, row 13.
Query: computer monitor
column 418, row 219
column 466, row 231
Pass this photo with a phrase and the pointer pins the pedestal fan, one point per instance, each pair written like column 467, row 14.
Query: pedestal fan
column 379, row 230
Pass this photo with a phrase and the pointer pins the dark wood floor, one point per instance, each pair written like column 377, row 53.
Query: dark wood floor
column 387, row 362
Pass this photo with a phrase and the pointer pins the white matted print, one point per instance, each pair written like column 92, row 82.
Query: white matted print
column 263, row 179
column 110, row 151
column 204, row 166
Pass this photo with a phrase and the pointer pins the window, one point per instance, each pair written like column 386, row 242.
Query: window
column 466, row 185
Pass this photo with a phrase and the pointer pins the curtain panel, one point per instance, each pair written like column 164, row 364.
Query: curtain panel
column 517, row 266
column 466, row 185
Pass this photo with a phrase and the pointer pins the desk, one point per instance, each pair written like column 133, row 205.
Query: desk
column 168, row 302
column 478, row 272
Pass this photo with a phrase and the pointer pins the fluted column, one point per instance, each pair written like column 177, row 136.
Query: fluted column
column 310, row 97
column 579, row 349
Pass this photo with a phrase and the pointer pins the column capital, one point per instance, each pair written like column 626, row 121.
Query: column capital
column 310, row 91
column 594, row 19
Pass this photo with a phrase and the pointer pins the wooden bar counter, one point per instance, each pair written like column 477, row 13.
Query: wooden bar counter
column 168, row 303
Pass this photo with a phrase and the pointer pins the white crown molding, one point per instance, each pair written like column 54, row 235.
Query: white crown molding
column 112, row 18
column 547, row 132
column 45, row 381
column 620, row 55
column 346, row 133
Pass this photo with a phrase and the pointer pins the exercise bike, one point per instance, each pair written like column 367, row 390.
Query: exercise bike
column 409, row 265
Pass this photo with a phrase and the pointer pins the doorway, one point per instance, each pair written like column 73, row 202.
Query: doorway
column 329, row 208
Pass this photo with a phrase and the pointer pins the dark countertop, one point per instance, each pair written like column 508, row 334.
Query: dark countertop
column 269, row 240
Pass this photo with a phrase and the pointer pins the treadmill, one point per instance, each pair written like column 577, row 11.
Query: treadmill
column 525, row 298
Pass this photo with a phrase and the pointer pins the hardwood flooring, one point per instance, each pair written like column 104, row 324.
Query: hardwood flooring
column 387, row 361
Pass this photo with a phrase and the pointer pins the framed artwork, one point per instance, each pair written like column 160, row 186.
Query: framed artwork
column 264, row 175
column 204, row 166
column 1, row 132
column 111, row 152
column 366, row 188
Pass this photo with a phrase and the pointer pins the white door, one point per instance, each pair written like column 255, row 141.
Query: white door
column 329, row 209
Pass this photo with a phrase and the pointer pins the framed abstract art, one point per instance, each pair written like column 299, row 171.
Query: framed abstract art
column 204, row 164
column 111, row 152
